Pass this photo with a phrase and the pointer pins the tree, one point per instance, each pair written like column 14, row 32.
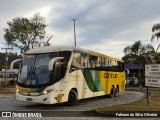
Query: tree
column 25, row 33
column 137, row 49
column 156, row 33
column 11, row 57
column 137, row 53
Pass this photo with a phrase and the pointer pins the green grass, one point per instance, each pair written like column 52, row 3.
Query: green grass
column 154, row 104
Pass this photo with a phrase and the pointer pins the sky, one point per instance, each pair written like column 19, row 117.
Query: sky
column 104, row 26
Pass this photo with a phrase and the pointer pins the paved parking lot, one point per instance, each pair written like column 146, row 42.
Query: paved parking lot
column 9, row 103
column 80, row 111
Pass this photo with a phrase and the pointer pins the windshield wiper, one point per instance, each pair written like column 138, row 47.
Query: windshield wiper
column 32, row 75
column 29, row 73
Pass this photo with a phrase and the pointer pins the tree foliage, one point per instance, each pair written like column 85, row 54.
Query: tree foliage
column 11, row 57
column 138, row 49
column 137, row 52
column 25, row 33
column 156, row 33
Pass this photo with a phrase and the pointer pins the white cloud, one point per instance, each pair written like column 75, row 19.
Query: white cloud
column 109, row 47
column 105, row 26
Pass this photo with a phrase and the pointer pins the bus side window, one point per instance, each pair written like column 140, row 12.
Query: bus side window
column 121, row 66
column 76, row 59
column 92, row 62
column 98, row 63
column 82, row 60
column 76, row 62
column 87, row 61
column 106, row 62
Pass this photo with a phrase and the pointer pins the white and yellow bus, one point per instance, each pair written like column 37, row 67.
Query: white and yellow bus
column 56, row 74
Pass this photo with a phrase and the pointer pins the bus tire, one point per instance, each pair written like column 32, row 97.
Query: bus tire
column 116, row 92
column 112, row 92
column 72, row 98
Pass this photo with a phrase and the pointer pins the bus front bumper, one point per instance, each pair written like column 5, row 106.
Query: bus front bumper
column 43, row 99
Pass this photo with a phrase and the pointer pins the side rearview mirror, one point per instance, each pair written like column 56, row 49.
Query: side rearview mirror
column 127, row 71
column 52, row 61
column 13, row 62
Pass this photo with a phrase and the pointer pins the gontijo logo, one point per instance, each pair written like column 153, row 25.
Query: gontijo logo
column 110, row 75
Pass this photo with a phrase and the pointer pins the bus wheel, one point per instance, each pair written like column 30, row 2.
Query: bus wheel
column 72, row 98
column 116, row 92
column 112, row 92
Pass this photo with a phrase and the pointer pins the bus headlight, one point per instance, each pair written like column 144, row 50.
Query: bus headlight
column 47, row 91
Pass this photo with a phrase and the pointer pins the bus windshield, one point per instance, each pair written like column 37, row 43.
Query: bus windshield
column 34, row 70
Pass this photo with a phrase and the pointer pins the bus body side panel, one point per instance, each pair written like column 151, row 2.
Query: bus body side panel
column 115, row 79
column 76, row 80
column 103, row 80
column 92, row 83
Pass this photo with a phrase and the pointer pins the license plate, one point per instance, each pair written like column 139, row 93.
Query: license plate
column 29, row 99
